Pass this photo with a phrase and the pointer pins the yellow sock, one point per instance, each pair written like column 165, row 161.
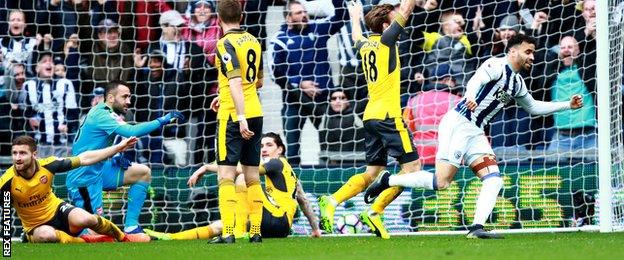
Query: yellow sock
column 242, row 210
column 386, row 197
column 227, row 203
column 254, row 198
column 356, row 184
column 204, row 232
column 106, row 227
column 65, row 238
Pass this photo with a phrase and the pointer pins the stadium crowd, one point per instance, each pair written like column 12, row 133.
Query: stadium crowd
column 57, row 55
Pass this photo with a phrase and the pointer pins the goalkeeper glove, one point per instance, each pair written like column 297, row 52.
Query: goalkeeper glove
column 170, row 118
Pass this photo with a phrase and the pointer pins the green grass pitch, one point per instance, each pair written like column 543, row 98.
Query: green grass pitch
column 591, row 246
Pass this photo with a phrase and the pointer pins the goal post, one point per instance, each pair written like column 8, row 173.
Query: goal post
column 610, row 45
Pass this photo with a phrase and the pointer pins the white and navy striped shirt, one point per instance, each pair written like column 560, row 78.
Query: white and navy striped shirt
column 347, row 54
column 17, row 50
column 493, row 86
column 175, row 53
column 49, row 101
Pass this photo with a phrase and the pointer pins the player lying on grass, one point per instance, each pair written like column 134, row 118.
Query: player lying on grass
column 45, row 217
column 461, row 138
column 386, row 133
column 283, row 193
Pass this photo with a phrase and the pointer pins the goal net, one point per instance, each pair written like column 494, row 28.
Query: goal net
column 314, row 95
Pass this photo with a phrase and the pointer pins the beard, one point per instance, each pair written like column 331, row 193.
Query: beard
column 119, row 110
column 299, row 26
column 24, row 167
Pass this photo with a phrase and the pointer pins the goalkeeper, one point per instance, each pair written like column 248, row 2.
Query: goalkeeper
column 283, row 193
column 102, row 124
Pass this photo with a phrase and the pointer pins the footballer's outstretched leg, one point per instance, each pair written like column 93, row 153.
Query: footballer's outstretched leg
column 379, row 185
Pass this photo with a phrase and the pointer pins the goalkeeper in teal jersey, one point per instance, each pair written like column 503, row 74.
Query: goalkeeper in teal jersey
column 103, row 123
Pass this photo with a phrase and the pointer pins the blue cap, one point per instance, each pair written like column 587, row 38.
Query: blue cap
column 442, row 71
column 99, row 91
column 209, row 3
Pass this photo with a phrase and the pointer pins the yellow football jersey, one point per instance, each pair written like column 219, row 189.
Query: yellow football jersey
column 280, row 184
column 382, row 70
column 33, row 198
column 239, row 54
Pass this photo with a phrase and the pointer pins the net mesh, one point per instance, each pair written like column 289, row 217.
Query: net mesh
column 549, row 163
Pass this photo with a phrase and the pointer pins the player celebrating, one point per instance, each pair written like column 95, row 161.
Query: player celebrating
column 45, row 217
column 461, row 137
column 279, row 205
column 102, row 124
column 386, row 132
column 239, row 119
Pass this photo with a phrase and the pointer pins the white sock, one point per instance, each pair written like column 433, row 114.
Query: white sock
column 130, row 228
column 419, row 179
column 487, row 198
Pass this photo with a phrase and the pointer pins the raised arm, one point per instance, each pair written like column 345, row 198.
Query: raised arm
column 337, row 21
column 355, row 12
column 407, row 7
column 391, row 35
column 307, row 210
column 141, row 129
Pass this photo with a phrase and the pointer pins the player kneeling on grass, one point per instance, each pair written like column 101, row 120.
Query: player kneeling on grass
column 279, row 205
column 45, row 217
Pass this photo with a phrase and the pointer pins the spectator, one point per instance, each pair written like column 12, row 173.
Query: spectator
column 109, row 59
column 301, row 68
column 551, row 20
column 254, row 18
column 17, row 98
column 12, row 106
column 425, row 110
column 411, row 53
column 201, row 26
column 575, row 130
column 452, row 46
column 63, row 17
column 179, row 55
column 157, row 95
column 586, row 38
column 185, row 61
column 341, row 129
column 508, row 27
column 72, row 58
column 18, row 47
column 51, row 110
